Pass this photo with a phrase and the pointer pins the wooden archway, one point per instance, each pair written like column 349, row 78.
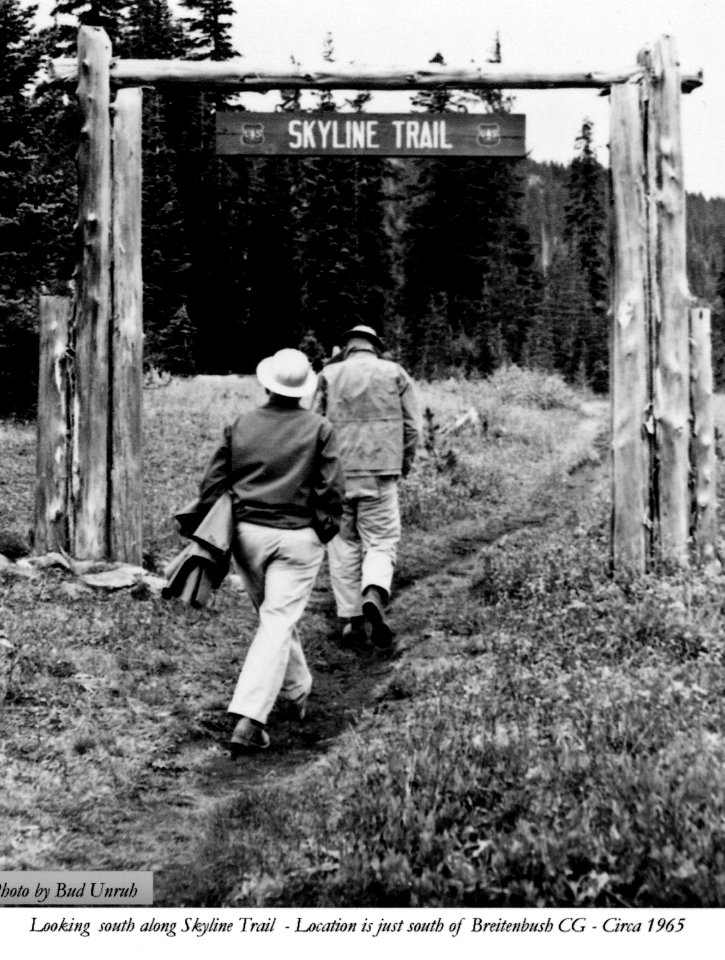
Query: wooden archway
column 89, row 484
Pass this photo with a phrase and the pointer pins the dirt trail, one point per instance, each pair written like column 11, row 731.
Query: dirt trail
column 201, row 772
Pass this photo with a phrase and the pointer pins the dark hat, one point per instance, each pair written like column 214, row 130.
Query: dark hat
column 367, row 333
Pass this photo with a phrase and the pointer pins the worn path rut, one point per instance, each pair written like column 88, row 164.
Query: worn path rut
column 346, row 683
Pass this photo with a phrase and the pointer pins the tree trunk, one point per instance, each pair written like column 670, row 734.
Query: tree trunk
column 126, row 517
column 670, row 299
column 629, row 337
column 243, row 74
column 91, row 347
column 51, row 490
column 703, row 438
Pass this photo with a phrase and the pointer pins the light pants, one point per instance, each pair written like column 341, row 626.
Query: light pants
column 364, row 551
column 279, row 568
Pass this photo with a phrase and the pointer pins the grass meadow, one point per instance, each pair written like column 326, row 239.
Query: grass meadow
column 550, row 736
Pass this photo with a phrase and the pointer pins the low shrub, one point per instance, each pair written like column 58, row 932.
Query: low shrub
column 447, row 490
column 533, row 388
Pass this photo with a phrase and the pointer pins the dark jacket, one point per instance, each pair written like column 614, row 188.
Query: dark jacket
column 281, row 464
column 202, row 565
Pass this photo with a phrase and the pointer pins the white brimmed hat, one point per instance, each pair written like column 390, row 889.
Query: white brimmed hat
column 287, row 373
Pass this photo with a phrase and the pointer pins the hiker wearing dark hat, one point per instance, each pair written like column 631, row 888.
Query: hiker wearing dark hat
column 281, row 464
column 370, row 402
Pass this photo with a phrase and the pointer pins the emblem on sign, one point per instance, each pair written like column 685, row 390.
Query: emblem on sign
column 489, row 134
column 253, row 134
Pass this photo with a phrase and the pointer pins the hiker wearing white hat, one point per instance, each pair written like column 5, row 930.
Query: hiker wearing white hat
column 371, row 403
column 287, row 374
column 281, row 464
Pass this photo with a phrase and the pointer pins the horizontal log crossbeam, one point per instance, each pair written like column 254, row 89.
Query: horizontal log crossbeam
column 242, row 74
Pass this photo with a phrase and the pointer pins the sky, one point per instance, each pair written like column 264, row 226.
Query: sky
column 535, row 35
column 558, row 34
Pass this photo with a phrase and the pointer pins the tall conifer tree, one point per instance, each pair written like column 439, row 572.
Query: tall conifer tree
column 585, row 225
column 466, row 248
column 209, row 188
column 68, row 15
column 209, row 28
column 151, row 32
column 342, row 255
column 19, row 57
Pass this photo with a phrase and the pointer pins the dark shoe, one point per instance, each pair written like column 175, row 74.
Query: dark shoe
column 391, row 652
column 373, row 610
column 353, row 635
column 297, row 709
column 248, row 737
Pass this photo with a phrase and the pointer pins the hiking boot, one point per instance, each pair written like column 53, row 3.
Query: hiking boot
column 248, row 737
column 297, row 709
column 353, row 635
column 381, row 635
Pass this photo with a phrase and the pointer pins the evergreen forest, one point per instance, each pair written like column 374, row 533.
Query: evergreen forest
column 463, row 265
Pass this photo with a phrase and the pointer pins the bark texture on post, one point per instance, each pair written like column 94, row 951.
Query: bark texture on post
column 51, row 489
column 242, row 73
column 670, row 298
column 704, row 518
column 126, row 513
column 629, row 336
column 89, row 487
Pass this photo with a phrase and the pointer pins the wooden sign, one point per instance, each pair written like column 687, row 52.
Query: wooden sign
column 371, row 134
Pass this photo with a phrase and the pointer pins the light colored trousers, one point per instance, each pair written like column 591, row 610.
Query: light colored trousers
column 279, row 568
column 363, row 553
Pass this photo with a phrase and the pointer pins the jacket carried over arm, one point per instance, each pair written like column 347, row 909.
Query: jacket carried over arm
column 281, row 464
column 371, row 404
column 202, row 564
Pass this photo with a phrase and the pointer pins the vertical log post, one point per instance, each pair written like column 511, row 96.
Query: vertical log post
column 629, row 337
column 93, row 306
column 704, row 513
column 127, row 344
column 670, row 298
column 51, row 490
